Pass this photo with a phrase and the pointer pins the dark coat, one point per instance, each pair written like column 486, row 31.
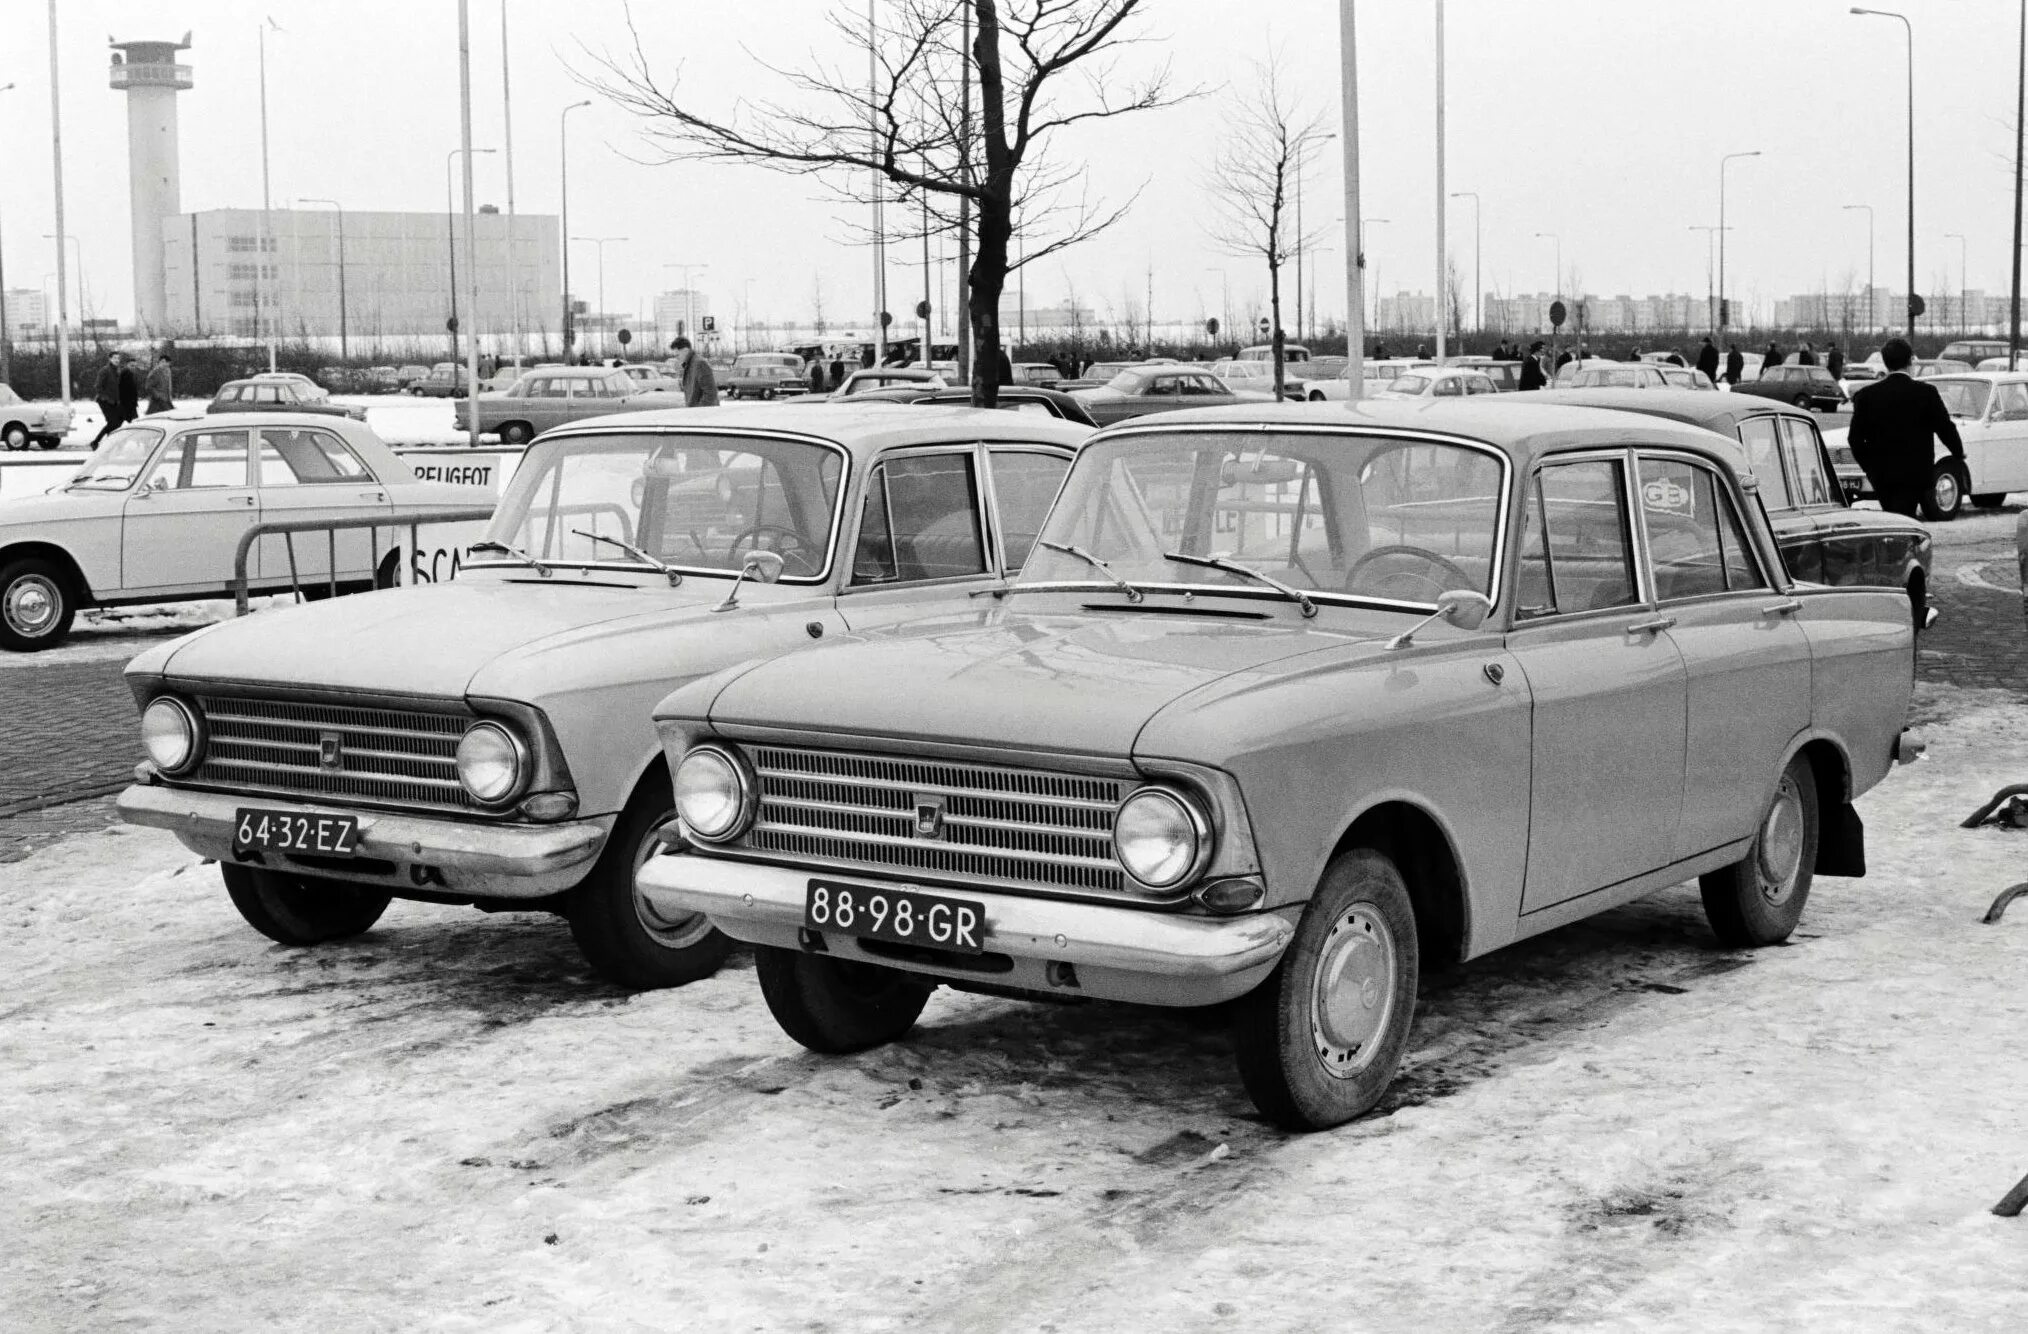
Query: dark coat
column 1531, row 373
column 1896, row 422
column 816, row 376
column 1835, row 362
column 1735, row 366
column 1806, row 357
column 106, row 389
column 1707, row 360
column 130, row 393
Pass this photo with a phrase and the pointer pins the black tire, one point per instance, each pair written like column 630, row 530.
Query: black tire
column 1759, row 899
column 37, row 604
column 620, row 936
column 1989, row 500
column 50, row 442
column 1309, row 1066
column 15, row 436
column 1802, row 401
column 835, row 1006
column 515, row 433
column 1945, row 498
column 1316, row 398
column 293, row 909
column 1918, row 601
column 387, row 574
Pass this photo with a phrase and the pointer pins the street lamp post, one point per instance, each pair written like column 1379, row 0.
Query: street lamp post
column 1355, row 252
column 1723, row 313
column 563, row 224
column 1556, row 291
column 1442, row 243
column 1710, row 293
column 344, row 349
column 1870, row 309
column 1478, row 289
column 1964, row 284
column 513, row 255
column 600, row 242
column 267, row 227
column 1908, row 30
column 56, row 160
column 6, row 343
column 451, row 238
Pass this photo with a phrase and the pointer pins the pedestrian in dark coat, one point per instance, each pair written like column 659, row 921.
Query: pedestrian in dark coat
column 816, row 375
column 1735, row 364
column 837, row 371
column 1772, row 357
column 1531, row 368
column 700, row 386
column 1805, row 357
column 1896, row 422
column 160, row 385
column 1834, row 361
column 1707, row 359
column 1564, row 358
column 1006, row 367
column 106, row 393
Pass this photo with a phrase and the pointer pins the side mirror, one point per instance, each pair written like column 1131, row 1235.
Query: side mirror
column 762, row 567
column 1458, row 606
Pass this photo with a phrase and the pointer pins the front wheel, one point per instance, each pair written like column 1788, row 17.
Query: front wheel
column 835, row 1006
column 1318, row 1043
column 1759, row 899
column 36, row 607
column 293, row 909
column 1946, row 495
column 15, row 436
column 622, row 936
column 1802, row 401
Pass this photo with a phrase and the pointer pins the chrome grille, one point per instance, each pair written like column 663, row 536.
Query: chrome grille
column 1020, row 828
column 390, row 757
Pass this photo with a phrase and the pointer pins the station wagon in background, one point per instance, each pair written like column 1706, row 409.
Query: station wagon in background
column 489, row 740
column 23, row 423
column 543, row 400
column 446, row 379
column 1803, row 386
column 157, row 513
column 1289, row 702
column 1991, row 412
column 1161, row 388
column 765, row 375
column 1823, row 540
column 278, row 395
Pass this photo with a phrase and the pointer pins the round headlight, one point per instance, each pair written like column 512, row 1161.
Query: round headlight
column 169, row 733
column 492, row 763
column 1161, row 838
column 713, row 796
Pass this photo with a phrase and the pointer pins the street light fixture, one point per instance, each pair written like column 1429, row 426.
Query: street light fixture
column 344, row 350
column 1723, row 313
column 1870, row 289
column 451, row 236
column 1908, row 30
column 563, row 190
column 600, row 242
column 1478, row 288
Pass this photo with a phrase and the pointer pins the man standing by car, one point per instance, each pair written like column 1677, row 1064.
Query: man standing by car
column 106, row 393
column 1770, row 359
column 700, row 386
column 1735, row 364
column 1834, row 360
column 1707, row 359
column 160, row 385
column 1896, row 422
column 1531, row 367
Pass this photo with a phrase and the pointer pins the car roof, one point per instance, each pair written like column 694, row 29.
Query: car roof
column 862, row 430
column 1697, row 407
column 386, row 465
column 1990, row 377
column 1550, row 427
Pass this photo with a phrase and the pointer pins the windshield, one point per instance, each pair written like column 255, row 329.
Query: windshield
column 1964, row 398
column 1408, row 384
column 7, row 394
column 119, row 459
column 700, row 503
column 1341, row 516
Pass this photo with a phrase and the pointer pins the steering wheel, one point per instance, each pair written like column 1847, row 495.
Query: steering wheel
column 1451, row 575
column 784, row 542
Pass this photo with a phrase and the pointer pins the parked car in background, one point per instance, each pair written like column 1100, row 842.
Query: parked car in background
column 381, row 380
column 1991, row 412
column 446, row 379
column 1999, row 363
column 1505, row 375
column 1097, row 374
column 1933, row 366
column 1823, row 540
column 157, row 514
column 1803, row 386
column 488, row 740
column 1437, row 382
column 1039, row 373
column 1684, row 377
column 1378, row 375
column 1605, row 373
column 1153, row 388
column 1664, row 358
column 277, row 394
column 24, row 423
column 409, row 375
column 1971, row 351
column 543, row 400
column 765, row 375
column 1290, row 704
column 869, row 378
column 1858, row 373
column 1012, row 398
column 650, row 377
column 1266, row 352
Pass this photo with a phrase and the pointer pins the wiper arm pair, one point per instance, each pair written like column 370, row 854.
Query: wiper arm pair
column 516, row 552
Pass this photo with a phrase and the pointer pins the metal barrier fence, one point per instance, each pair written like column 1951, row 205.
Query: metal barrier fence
column 287, row 528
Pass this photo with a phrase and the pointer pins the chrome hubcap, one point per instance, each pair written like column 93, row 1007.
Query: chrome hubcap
column 1946, row 491
column 672, row 933
column 32, row 605
column 1781, row 844
column 1353, row 1001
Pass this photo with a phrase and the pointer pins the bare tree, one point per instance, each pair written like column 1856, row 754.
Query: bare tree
column 1454, row 301
column 1041, row 67
column 1269, row 139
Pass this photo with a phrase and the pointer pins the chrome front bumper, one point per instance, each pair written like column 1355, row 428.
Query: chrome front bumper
column 1115, row 953
column 445, row 856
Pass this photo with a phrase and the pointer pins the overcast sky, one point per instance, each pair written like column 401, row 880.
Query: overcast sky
column 1600, row 120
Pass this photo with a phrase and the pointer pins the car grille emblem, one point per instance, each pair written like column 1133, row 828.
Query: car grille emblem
column 330, row 750
column 929, row 817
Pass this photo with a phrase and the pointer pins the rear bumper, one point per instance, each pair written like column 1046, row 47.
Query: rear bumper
column 1114, row 953
column 396, row 852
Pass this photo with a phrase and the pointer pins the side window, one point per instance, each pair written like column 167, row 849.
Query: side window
column 1577, row 551
column 1763, row 454
column 927, row 526
column 1167, row 385
column 2013, row 404
column 201, row 459
column 1806, row 462
column 1449, row 388
column 1023, row 486
column 1696, row 543
column 290, row 457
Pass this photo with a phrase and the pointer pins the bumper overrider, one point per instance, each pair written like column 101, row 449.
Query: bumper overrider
column 400, row 853
column 1039, row 945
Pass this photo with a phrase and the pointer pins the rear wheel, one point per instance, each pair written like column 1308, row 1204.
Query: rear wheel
column 1802, row 401
column 515, row 433
column 1318, row 1042
column 1945, row 498
column 15, row 436
column 620, row 934
column 36, row 607
column 1759, row 899
column 836, row 1006
column 293, row 909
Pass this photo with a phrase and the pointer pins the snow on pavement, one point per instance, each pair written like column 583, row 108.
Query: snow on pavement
column 448, row 1125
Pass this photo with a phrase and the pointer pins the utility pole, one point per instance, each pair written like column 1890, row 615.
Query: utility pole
column 513, row 255
column 471, row 252
column 966, row 352
column 1442, row 208
column 2020, row 137
column 267, row 228
column 56, row 157
column 6, row 365
column 1355, row 250
column 879, row 189
column 1723, row 313
column 563, row 223
column 1908, row 30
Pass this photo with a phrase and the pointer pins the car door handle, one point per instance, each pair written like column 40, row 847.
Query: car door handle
column 1653, row 626
column 240, row 500
column 1787, row 607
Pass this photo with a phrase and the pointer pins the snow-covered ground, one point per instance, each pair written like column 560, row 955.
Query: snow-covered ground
column 447, row 1125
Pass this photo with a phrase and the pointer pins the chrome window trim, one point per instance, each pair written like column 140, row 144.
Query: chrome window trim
column 1722, row 479
column 1637, row 533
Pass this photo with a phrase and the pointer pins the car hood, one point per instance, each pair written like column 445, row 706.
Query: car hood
column 60, row 506
column 1076, row 683
column 439, row 640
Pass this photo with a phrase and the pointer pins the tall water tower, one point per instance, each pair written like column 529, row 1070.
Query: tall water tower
column 148, row 73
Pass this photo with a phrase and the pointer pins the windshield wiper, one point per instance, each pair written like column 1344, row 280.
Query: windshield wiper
column 516, row 552
column 1295, row 595
column 675, row 576
column 1133, row 594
